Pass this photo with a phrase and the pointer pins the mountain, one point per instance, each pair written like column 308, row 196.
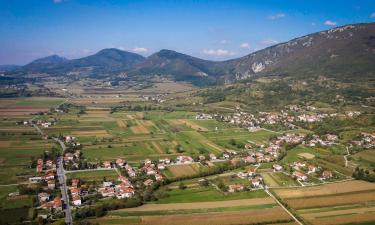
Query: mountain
column 176, row 65
column 45, row 63
column 105, row 61
column 4, row 68
column 342, row 53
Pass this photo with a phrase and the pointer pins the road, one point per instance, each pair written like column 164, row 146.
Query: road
column 63, row 186
column 60, row 172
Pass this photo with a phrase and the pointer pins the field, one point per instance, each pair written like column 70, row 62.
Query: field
column 182, row 170
column 93, row 175
column 135, row 136
column 338, row 203
column 268, row 215
column 278, row 179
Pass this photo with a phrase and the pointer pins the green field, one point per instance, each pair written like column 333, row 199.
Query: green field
column 93, row 175
column 200, row 194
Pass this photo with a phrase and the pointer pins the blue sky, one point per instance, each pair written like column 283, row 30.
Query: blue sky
column 210, row 29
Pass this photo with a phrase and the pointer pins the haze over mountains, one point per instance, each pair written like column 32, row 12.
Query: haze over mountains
column 343, row 52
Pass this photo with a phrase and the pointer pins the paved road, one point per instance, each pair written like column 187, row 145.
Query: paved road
column 63, row 187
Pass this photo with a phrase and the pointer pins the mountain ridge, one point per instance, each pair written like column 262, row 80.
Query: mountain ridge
column 336, row 52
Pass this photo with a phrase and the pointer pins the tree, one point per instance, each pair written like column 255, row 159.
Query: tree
column 182, row 186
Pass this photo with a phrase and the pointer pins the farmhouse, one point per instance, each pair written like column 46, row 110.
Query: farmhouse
column 312, row 169
column 35, row 179
column 235, row 187
column 120, row 163
column 148, row 182
column 184, row 159
column 326, row 174
column 256, row 181
column 299, row 176
column 212, row 156
column 51, row 184
column 43, row 197
column 107, row 164
column 277, row 167
column 76, row 200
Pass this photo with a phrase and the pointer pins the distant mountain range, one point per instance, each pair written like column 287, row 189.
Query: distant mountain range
column 344, row 52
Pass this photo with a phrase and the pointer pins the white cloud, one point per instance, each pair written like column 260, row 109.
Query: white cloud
column 245, row 45
column 217, row 52
column 330, row 23
column 224, row 42
column 269, row 42
column 140, row 50
column 372, row 15
column 276, row 16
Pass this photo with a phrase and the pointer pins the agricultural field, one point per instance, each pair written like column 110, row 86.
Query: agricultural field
column 199, row 205
column 98, row 175
column 338, row 203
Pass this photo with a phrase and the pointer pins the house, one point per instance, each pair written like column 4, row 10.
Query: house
column 76, row 200
column 120, row 163
column 75, row 191
column 107, row 183
column 299, row 176
column 49, row 176
column 326, row 174
column 242, row 175
column 158, row 177
column 184, row 159
column 249, row 159
column 161, row 166
column 49, row 163
column 148, row 182
column 35, row 179
column 235, row 187
column 68, row 157
column 75, row 183
column 150, row 171
column 251, row 172
column 43, row 197
column 125, row 192
column 277, row 167
column 312, row 169
column 107, row 191
column 147, row 162
column 51, row 184
column 165, row 161
column 212, row 157
column 39, row 168
column 107, row 164
column 202, row 158
column 57, row 204
column 256, row 181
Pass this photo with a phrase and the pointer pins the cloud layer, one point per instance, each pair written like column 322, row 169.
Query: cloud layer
column 276, row 16
column 217, row 52
column 140, row 50
column 330, row 23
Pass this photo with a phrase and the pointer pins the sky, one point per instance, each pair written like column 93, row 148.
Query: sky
column 208, row 29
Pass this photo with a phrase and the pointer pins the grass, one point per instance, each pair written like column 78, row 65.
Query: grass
column 207, row 194
column 93, row 175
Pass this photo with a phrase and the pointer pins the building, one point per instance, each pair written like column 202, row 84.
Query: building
column 299, row 176
column 77, row 200
column 235, row 187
